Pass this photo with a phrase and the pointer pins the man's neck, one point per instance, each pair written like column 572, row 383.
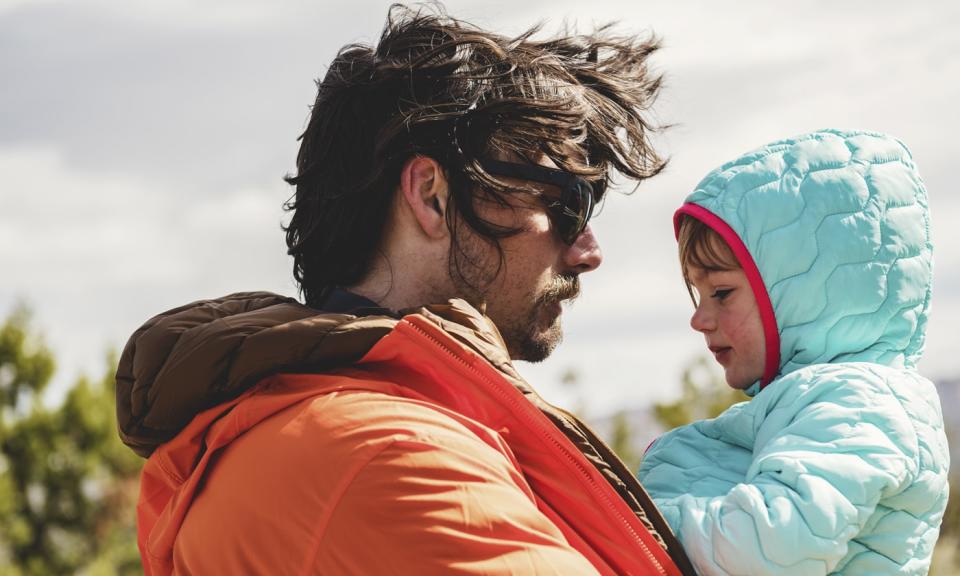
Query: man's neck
column 407, row 290
column 344, row 301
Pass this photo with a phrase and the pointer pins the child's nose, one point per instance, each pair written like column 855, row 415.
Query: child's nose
column 701, row 321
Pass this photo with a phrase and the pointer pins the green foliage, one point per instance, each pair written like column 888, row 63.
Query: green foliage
column 621, row 441
column 951, row 519
column 704, row 395
column 68, row 485
column 946, row 554
column 25, row 365
column 570, row 379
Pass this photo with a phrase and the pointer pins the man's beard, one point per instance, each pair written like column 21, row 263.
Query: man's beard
column 525, row 336
column 474, row 277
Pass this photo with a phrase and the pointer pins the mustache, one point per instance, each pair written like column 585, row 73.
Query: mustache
column 563, row 287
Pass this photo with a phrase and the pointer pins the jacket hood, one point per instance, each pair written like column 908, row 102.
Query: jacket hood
column 191, row 358
column 834, row 232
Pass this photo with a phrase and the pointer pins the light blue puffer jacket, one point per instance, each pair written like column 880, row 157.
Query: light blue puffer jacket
column 839, row 465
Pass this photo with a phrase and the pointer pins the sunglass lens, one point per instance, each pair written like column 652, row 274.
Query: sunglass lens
column 575, row 211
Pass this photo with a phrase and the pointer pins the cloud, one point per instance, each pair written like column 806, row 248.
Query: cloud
column 96, row 254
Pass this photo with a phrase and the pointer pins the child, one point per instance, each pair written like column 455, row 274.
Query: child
column 809, row 262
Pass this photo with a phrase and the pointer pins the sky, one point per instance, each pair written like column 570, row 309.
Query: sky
column 143, row 145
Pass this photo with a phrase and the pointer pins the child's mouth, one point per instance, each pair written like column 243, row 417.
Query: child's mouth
column 720, row 352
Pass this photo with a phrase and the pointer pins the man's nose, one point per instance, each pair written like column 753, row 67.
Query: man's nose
column 584, row 254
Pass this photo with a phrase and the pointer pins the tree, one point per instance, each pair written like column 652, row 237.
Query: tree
column 946, row 554
column 704, row 395
column 68, row 485
column 622, row 440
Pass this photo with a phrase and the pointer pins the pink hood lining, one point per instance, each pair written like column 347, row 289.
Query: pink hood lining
column 767, row 317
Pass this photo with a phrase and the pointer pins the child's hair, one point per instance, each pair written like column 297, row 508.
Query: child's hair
column 702, row 247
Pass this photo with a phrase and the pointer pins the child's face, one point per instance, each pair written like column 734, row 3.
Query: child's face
column 728, row 317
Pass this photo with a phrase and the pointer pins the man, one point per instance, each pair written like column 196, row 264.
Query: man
column 443, row 189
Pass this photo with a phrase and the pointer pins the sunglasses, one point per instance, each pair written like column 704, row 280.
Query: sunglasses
column 570, row 213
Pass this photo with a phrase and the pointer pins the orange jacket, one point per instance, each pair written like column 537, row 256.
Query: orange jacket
column 420, row 458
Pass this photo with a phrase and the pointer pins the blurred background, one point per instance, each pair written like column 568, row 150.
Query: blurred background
column 142, row 150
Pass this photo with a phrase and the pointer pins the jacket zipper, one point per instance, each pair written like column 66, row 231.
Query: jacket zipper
column 545, row 433
column 674, row 548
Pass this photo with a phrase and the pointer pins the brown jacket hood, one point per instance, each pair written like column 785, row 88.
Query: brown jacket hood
column 191, row 358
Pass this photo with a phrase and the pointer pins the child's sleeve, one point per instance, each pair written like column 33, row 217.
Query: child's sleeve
column 821, row 462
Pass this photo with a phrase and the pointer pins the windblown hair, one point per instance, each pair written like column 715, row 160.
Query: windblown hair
column 702, row 247
column 439, row 87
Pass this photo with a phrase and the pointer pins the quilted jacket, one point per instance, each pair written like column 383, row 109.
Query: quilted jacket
column 838, row 464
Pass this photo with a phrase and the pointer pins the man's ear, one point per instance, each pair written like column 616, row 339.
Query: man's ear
column 423, row 187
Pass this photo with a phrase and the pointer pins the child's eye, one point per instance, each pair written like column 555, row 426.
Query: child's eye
column 722, row 293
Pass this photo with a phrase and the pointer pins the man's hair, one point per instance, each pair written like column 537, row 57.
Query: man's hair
column 702, row 247
column 439, row 87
